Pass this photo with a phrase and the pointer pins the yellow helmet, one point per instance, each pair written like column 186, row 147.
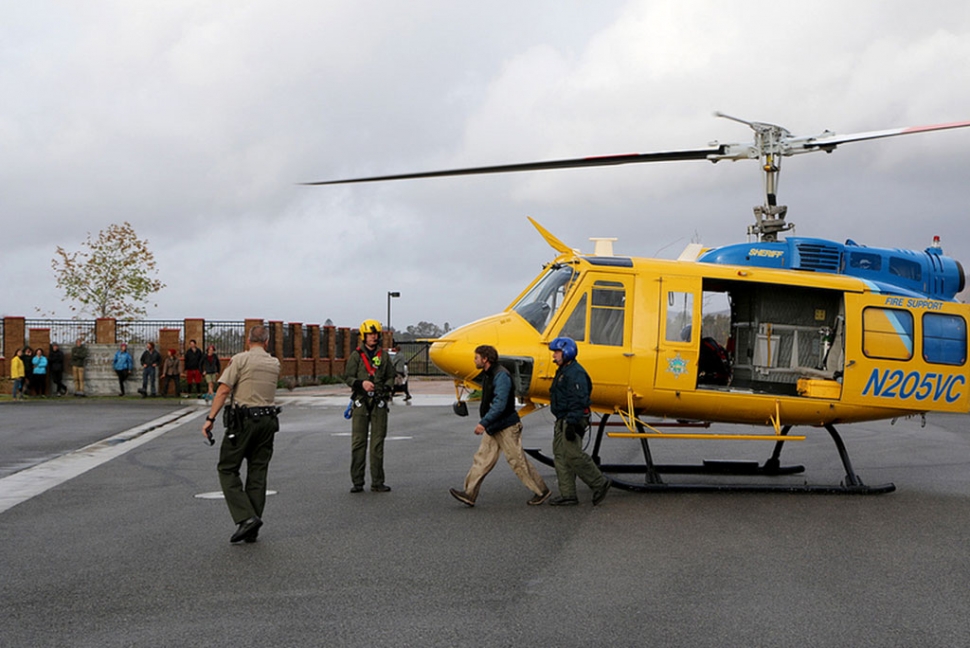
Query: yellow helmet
column 369, row 326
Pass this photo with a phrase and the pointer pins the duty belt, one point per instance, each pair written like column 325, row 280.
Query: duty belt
column 259, row 412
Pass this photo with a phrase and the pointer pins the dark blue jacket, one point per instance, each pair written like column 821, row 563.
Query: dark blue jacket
column 498, row 400
column 570, row 393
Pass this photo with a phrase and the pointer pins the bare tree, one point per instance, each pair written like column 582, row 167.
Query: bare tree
column 112, row 277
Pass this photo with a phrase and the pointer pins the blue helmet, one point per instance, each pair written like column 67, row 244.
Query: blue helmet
column 567, row 346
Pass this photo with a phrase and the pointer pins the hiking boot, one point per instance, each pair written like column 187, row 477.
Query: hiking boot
column 600, row 493
column 462, row 497
column 563, row 501
column 539, row 499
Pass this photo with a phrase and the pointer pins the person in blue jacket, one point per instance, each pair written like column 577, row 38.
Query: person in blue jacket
column 501, row 431
column 569, row 398
column 38, row 380
column 123, row 365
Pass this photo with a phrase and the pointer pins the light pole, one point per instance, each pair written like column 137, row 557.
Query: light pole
column 389, row 295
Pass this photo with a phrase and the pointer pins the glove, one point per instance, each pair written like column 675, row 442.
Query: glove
column 574, row 430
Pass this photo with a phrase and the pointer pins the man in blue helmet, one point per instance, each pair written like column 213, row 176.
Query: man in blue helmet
column 569, row 401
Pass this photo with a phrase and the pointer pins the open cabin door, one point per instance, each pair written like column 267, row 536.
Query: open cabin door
column 906, row 353
column 677, row 348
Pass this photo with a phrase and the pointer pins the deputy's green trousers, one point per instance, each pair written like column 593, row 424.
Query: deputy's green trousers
column 254, row 443
column 363, row 419
column 572, row 462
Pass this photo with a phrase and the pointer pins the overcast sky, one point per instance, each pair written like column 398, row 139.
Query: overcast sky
column 195, row 121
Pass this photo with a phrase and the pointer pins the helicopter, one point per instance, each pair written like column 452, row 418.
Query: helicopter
column 815, row 333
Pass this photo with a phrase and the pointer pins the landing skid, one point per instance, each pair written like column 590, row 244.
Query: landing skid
column 653, row 482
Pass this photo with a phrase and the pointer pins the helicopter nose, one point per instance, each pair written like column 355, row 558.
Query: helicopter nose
column 454, row 354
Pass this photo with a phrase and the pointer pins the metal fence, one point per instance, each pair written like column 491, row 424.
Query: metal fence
column 63, row 332
column 288, row 341
column 229, row 338
column 139, row 332
column 339, row 353
column 419, row 362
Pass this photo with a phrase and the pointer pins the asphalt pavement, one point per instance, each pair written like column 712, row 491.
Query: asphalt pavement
column 134, row 550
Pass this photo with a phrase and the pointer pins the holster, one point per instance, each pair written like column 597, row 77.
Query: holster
column 231, row 420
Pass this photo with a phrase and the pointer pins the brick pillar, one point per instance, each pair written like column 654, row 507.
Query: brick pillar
column 194, row 330
column 331, row 349
column 277, row 349
column 40, row 337
column 313, row 330
column 350, row 341
column 168, row 338
column 105, row 330
column 296, row 333
column 14, row 335
column 250, row 323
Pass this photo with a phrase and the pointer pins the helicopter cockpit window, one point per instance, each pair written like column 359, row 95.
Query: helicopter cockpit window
column 575, row 326
column 887, row 333
column 865, row 261
column 680, row 314
column 606, row 314
column 539, row 304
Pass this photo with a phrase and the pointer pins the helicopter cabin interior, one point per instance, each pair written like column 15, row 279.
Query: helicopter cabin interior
column 765, row 338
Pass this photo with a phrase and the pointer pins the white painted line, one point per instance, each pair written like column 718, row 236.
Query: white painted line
column 217, row 495
column 20, row 487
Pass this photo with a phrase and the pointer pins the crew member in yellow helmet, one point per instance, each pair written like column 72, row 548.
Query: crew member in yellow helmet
column 370, row 374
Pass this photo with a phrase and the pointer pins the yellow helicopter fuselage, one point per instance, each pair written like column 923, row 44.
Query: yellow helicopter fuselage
column 795, row 348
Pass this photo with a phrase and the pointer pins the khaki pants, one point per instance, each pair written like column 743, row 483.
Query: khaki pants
column 78, row 378
column 508, row 441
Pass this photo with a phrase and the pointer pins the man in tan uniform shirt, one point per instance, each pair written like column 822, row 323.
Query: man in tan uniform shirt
column 251, row 379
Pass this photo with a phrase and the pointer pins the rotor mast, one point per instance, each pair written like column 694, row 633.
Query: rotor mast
column 769, row 147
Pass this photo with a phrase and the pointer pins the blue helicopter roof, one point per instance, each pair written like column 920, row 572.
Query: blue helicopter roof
column 928, row 273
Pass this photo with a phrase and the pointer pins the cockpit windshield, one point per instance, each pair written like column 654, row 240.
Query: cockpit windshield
column 540, row 304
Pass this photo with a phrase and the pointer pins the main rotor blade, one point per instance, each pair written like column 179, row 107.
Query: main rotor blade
column 831, row 141
column 605, row 160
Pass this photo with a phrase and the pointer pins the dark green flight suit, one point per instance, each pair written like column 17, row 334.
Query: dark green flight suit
column 370, row 411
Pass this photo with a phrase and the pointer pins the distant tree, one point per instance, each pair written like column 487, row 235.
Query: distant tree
column 112, row 277
column 423, row 330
